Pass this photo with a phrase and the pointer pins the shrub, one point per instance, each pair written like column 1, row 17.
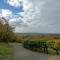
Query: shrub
column 42, row 45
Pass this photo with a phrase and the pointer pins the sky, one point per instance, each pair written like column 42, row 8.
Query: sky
column 32, row 16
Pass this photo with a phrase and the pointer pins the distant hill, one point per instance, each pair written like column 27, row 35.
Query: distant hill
column 39, row 36
column 42, row 34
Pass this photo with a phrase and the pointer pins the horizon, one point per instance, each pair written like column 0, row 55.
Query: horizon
column 36, row 33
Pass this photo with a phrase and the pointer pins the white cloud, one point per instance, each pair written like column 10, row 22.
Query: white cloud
column 15, row 3
column 30, row 11
column 5, row 13
column 38, row 16
column 47, row 17
column 27, row 5
column 30, row 16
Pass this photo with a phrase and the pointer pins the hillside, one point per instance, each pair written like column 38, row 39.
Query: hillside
column 39, row 36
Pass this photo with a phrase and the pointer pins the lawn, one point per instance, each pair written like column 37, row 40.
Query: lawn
column 5, row 51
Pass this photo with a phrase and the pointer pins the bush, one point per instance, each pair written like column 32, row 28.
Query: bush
column 42, row 45
column 18, row 39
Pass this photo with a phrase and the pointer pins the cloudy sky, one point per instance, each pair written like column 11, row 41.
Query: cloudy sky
column 39, row 16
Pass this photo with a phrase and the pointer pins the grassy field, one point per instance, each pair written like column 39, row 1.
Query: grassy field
column 5, row 51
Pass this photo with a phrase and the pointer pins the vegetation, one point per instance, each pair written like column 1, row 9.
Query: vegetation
column 6, row 35
column 41, row 43
column 6, row 32
column 45, row 46
column 5, row 51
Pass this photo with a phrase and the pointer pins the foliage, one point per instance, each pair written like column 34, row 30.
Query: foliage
column 43, row 45
column 6, row 31
column 18, row 39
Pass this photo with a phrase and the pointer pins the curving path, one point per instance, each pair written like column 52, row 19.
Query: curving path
column 21, row 53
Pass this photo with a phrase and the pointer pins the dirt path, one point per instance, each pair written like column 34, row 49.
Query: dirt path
column 21, row 53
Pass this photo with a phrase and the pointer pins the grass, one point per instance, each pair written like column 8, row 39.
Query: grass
column 53, row 52
column 50, row 51
column 5, row 51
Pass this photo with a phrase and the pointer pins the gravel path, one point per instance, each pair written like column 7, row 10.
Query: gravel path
column 21, row 53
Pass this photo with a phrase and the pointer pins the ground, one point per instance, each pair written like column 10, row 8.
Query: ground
column 6, row 51
column 21, row 53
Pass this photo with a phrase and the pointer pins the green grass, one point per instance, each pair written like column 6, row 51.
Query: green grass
column 5, row 51
column 50, row 51
column 53, row 52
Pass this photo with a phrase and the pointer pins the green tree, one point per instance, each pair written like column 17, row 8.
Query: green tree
column 6, row 30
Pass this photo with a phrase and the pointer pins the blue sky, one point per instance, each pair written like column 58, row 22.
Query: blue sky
column 5, row 5
column 41, row 16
